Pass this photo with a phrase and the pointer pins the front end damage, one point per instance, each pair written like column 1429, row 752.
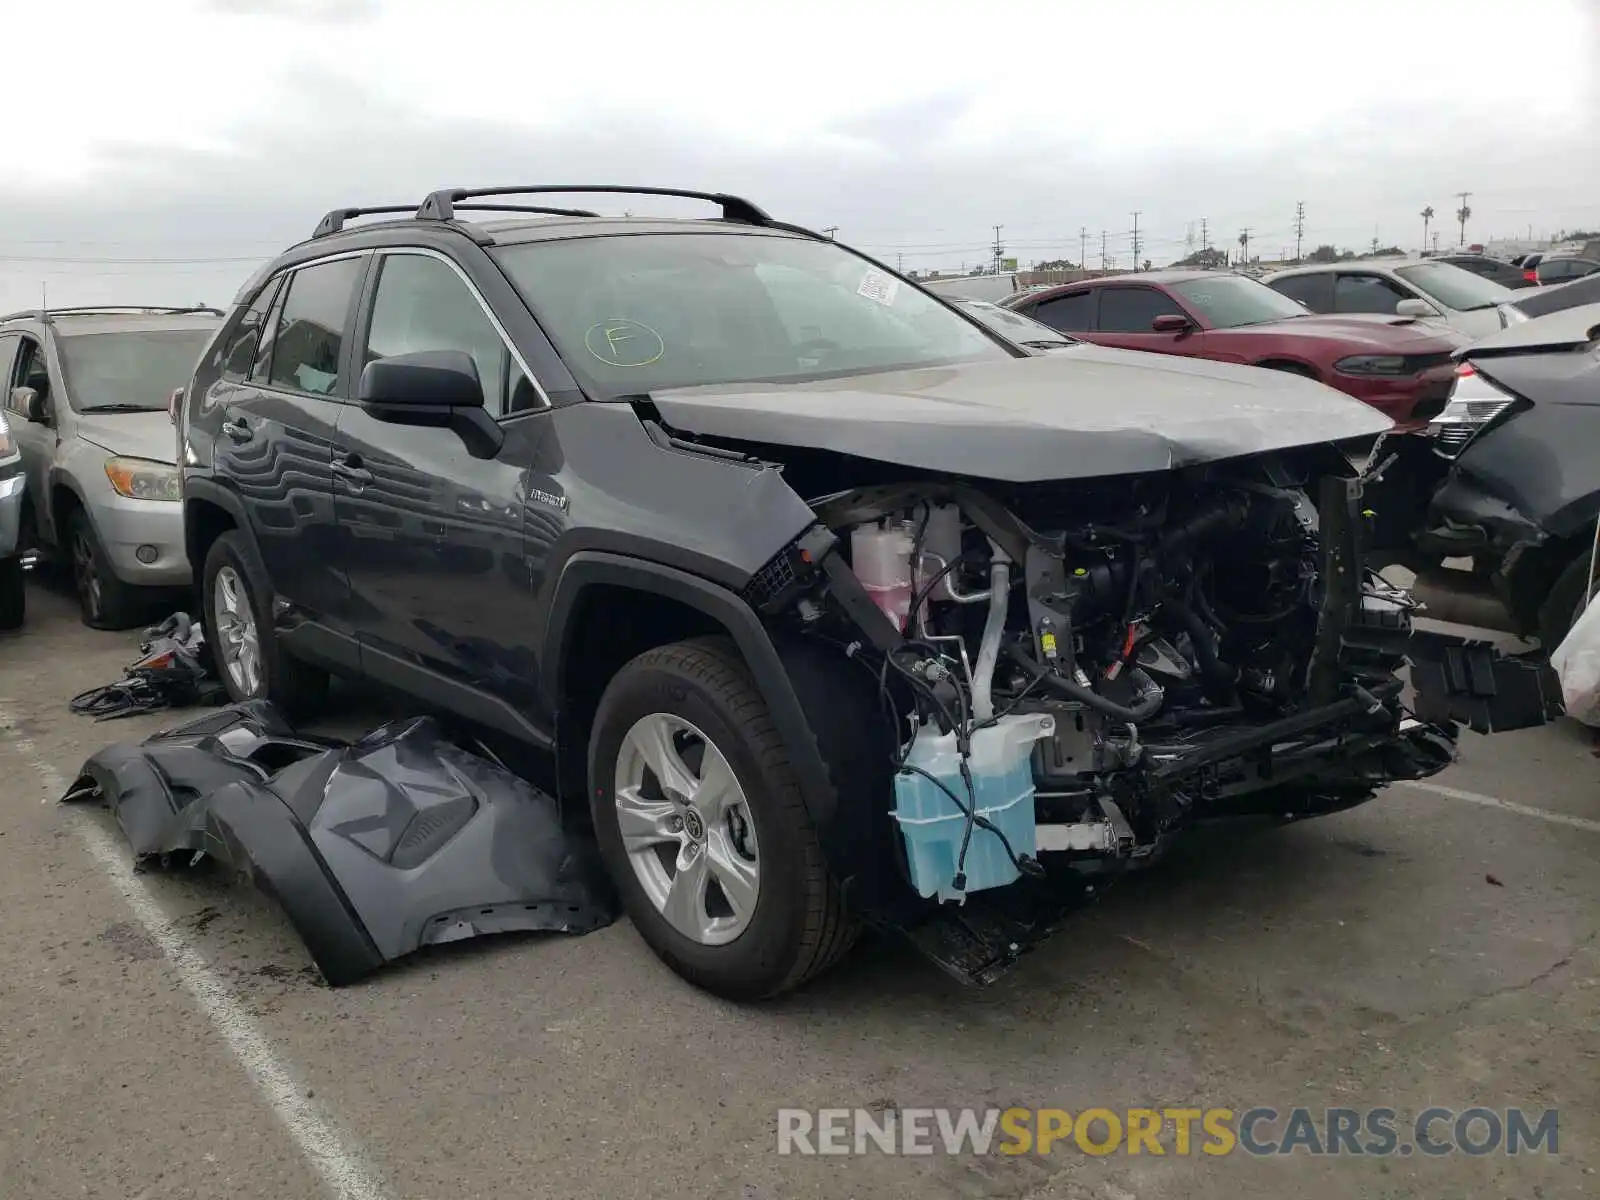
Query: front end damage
column 1050, row 682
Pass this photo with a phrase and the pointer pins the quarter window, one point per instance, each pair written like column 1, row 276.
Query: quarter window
column 310, row 328
column 240, row 353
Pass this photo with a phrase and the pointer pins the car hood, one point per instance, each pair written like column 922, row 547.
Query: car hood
column 1360, row 331
column 1088, row 412
column 136, row 434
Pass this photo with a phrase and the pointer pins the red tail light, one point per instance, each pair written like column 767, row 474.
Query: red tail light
column 1531, row 276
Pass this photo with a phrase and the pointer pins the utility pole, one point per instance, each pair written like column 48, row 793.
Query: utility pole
column 1244, row 242
column 831, row 230
column 998, row 248
column 1083, row 247
column 1205, row 235
column 1136, row 259
column 900, row 262
column 1299, row 227
column 1102, row 249
column 1462, row 214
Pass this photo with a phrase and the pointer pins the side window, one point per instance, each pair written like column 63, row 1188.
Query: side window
column 8, row 359
column 1314, row 291
column 1366, row 294
column 240, row 353
column 422, row 304
column 310, row 329
column 33, row 369
column 1131, row 309
column 1072, row 313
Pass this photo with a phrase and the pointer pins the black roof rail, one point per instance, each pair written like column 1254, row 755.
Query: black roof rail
column 113, row 310
column 529, row 208
column 441, row 205
column 333, row 222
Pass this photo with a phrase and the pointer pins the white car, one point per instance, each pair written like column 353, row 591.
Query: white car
column 1403, row 287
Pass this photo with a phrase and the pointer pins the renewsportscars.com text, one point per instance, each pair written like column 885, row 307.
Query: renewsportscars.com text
column 1180, row 1132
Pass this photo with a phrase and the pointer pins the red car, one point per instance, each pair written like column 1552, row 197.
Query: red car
column 1402, row 366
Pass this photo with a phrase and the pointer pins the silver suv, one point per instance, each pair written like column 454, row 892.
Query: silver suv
column 87, row 400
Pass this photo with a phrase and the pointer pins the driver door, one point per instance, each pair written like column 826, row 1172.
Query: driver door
column 36, row 440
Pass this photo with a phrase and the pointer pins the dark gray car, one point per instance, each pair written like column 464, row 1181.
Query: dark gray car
column 829, row 603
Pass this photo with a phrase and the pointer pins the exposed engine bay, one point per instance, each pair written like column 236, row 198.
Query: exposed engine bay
column 1075, row 672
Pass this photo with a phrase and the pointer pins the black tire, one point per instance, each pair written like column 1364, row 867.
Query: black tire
column 296, row 687
column 104, row 601
column 1561, row 607
column 13, row 593
column 799, row 925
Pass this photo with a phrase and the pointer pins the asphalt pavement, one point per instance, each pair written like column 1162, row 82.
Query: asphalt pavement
column 166, row 1037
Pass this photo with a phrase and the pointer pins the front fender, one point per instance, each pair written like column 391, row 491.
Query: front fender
column 589, row 568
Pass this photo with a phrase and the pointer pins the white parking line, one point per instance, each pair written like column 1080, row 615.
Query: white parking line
column 340, row 1164
column 1544, row 814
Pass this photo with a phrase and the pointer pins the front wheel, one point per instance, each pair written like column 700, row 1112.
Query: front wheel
column 1564, row 604
column 104, row 601
column 13, row 593
column 700, row 819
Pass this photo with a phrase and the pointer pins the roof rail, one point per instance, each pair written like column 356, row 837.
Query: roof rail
column 441, row 205
column 113, row 310
column 333, row 222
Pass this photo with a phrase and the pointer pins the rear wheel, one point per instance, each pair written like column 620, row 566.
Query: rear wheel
column 1564, row 604
column 13, row 593
column 699, row 816
column 248, row 658
column 104, row 601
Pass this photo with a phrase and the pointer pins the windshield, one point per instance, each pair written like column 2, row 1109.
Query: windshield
column 1229, row 301
column 134, row 370
column 1455, row 288
column 645, row 312
column 1025, row 331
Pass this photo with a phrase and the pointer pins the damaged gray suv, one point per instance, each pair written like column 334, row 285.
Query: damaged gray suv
column 834, row 607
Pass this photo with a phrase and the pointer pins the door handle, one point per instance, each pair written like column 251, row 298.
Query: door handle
column 237, row 429
column 349, row 469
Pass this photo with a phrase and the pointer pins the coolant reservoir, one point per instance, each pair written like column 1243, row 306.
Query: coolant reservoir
column 881, row 559
column 933, row 825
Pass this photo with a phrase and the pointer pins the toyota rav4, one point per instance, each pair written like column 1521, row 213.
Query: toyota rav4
column 835, row 607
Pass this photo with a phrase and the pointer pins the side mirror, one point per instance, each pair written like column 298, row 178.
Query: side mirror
column 30, row 404
column 1415, row 308
column 435, row 388
column 1171, row 323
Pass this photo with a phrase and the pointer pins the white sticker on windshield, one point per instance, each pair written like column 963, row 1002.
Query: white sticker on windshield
column 875, row 285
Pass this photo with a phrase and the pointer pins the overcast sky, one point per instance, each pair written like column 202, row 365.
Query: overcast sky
column 174, row 144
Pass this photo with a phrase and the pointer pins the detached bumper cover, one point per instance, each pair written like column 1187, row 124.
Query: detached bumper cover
column 373, row 849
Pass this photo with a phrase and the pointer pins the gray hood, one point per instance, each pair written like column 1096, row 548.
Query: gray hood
column 1077, row 414
column 136, row 435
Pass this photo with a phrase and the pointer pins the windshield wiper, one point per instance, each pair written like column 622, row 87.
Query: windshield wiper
column 117, row 408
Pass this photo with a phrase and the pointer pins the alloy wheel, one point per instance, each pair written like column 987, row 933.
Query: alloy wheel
column 238, row 641
column 86, row 574
column 686, row 828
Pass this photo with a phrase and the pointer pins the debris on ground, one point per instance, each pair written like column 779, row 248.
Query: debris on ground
column 172, row 671
column 373, row 848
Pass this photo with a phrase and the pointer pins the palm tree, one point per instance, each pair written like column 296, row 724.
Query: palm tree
column 1427, row 215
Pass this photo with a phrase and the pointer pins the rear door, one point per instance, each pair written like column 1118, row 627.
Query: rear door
column 1070, row 312
column 284, row 380
column 434, row 536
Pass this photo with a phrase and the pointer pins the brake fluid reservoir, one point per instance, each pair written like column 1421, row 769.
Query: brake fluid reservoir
column 881, row 559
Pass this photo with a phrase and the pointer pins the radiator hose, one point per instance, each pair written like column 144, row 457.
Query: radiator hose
column 1147, row 701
